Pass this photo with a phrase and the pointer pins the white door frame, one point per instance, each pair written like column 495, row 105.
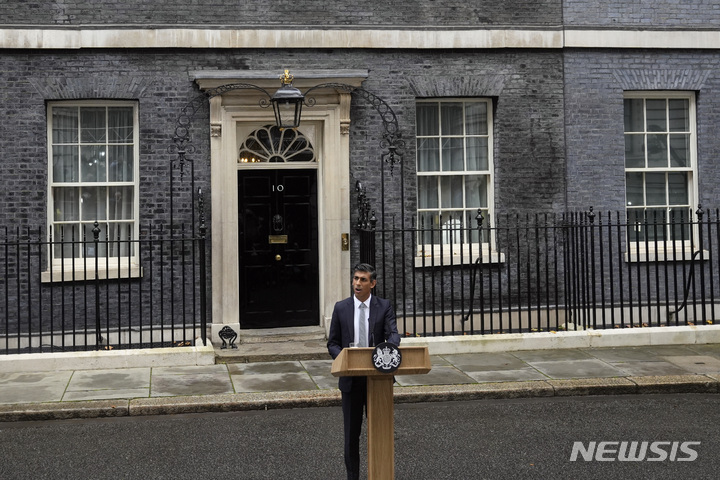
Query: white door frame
column 234, row 114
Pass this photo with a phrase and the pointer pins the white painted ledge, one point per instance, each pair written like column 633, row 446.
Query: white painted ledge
column 96, row 360
column 627, row 337
column 87, row 37
column 138, row 37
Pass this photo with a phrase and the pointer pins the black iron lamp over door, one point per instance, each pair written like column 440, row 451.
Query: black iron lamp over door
column 287, row 103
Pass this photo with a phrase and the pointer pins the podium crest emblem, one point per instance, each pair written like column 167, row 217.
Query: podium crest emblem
column 386, row 357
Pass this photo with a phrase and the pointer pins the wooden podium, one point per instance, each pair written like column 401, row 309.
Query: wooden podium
column 356, row 362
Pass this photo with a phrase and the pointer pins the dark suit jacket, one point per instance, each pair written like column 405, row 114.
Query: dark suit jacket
column 382, row 323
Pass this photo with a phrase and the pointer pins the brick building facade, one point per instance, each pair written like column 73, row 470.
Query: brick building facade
column 555, row 76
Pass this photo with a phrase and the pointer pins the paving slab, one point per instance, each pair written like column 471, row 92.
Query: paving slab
column 668, row 350
column 580, row 368
column 273, row 382
column 712, row 349
column 108, row 384
column 190, row 380
column 441, row 375
column 649, row 368
column 190, row 370
column 621, row 354
column 531, row 356
column 527, row 373
column 261, row 368
column 318, row 367
column 34, row 387
column 319, row 370
column 696, row 363
column 482, row 362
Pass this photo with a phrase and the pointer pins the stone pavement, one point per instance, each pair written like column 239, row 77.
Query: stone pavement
column 290, row 382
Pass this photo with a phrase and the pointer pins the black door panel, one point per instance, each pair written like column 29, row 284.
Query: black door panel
column 278, row 248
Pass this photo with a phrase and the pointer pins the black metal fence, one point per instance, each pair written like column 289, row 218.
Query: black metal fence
column 548, row 272
column 110, row 293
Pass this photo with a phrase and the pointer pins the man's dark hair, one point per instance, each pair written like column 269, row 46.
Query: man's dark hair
column 367, row 268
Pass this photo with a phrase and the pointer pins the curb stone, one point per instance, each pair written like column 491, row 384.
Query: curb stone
column 329, row 398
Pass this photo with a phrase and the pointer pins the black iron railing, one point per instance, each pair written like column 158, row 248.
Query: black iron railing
column 111, row 293
column 548, row 272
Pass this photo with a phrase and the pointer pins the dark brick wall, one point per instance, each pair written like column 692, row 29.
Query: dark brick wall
column 526, row 86
column 594, row 86
column 30, row 79
column 340, row 13
column 642, row 13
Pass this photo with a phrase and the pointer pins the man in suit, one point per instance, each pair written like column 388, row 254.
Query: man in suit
column 362, row 312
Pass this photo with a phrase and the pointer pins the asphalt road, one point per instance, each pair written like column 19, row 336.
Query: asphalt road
column 497, row 439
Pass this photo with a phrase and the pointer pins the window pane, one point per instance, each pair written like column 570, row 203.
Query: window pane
column 452, row 119
column 427, row 223
column 65, row 125
column 634, row 189
column 427, row 119
column 120, row 163
column 428, row 155
column 634, row 115
column 476, row 191
column 634, row 151
column 482, row 235
column 657, row 151
column 451, row 192
column 427, row 192
column 655, row 224
column 477, row 153
column 656, row 115
column 90, row 250
column 679, row 110
column 679, row 150
column 119, row 234
column 121, row 203
column 65, row 164
column 92, row 163
column 476, row 119
column 655, row 189
column 452, row 232
column 92, row 124
column 680, row 219
column 93, row 203
column 66, row 240
column 66, row 203
column 120, row 121
column 678, row 188
column 452, row 155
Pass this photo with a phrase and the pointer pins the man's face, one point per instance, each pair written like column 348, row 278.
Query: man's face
column 362, row 285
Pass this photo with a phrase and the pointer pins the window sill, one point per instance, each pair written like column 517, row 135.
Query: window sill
column 81, row 274
column 447, row 260
column 678, row 255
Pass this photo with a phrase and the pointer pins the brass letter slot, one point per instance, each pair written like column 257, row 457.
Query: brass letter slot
column 272, row 239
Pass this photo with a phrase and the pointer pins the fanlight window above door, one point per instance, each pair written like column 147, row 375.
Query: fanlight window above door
column 271, row 144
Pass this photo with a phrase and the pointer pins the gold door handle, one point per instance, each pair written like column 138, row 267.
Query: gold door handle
column 278, row 258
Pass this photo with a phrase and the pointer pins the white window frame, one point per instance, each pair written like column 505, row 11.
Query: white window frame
column 84, row 268
column 450, row 253
column 668, row 250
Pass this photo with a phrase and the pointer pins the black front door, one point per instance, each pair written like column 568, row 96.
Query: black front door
column 278, row 240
